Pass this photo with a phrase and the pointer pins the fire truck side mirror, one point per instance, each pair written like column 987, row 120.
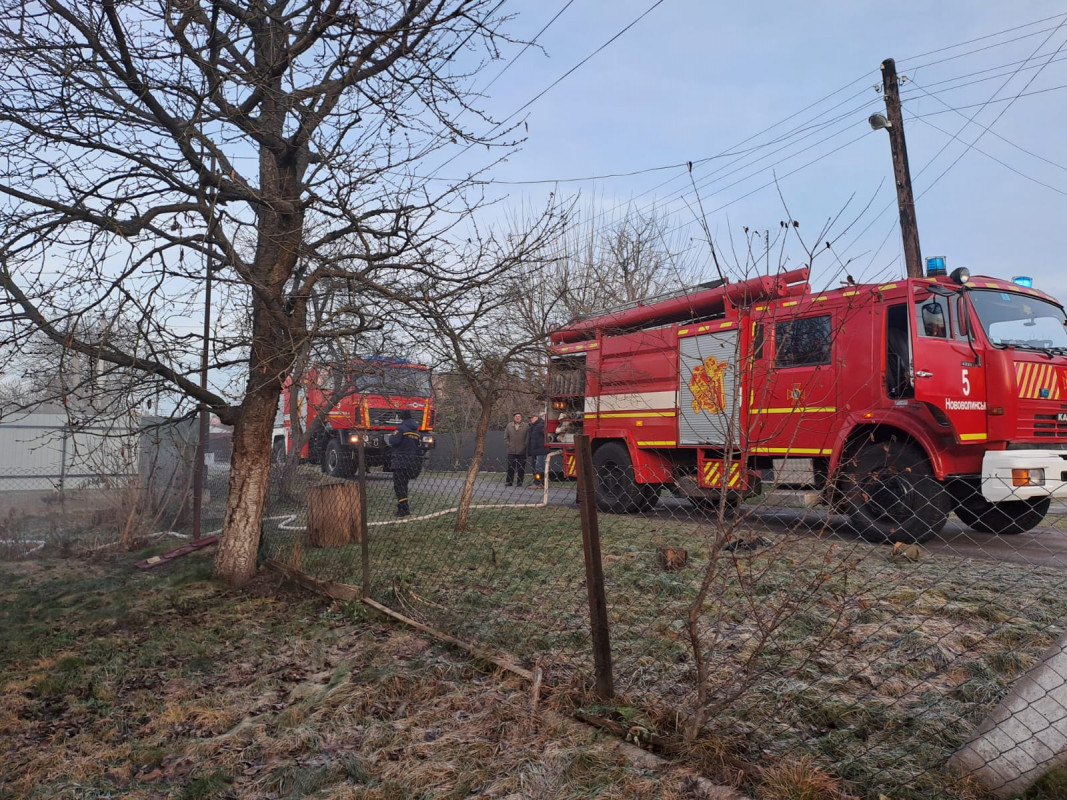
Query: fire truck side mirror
column 933, row 319
column 961, row 318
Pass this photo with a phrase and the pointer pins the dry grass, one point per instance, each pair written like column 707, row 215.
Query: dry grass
column 115, row 683
column 820, row 648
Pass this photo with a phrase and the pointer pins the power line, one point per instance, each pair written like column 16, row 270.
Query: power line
column 988, row 47
column 528, row 44
column 982, row 38
column 1006, row 166
column 552, row 85
column 1002, row 111
column 959, row 110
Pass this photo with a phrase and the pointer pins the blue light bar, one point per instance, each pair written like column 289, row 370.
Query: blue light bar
column 935, row 266
column 1023, row 280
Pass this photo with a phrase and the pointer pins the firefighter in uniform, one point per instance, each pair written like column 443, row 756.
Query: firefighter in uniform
column 404, row 459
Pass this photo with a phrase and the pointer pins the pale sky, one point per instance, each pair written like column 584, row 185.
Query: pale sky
column 750, row 91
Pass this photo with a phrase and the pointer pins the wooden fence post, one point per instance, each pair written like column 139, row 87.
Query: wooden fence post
column 594, row 570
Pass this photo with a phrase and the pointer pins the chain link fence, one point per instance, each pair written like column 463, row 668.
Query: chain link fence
column 773, row 631
column 765, row 637
column 67, row 490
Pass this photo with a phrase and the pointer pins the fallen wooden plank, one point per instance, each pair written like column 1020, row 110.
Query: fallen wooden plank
column 177, row 552
column 337, row 591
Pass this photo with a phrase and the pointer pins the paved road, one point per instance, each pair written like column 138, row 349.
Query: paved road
column 1046, row 545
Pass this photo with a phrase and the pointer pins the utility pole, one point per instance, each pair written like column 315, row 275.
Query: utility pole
column 909, row 228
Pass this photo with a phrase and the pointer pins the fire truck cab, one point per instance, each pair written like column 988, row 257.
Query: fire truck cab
column 904, row 401
column 359, row 402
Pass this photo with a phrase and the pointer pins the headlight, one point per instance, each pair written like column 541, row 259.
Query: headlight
column 353, row 438
column 428, row 441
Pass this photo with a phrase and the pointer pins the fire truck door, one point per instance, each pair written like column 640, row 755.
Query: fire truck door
column 794, row 388
column 708, row 389
column 947, row 372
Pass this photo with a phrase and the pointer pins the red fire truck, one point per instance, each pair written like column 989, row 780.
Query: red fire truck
column 902, row 401
column 373, row 392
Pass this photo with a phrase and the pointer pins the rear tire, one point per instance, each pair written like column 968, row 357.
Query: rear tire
column 617, row 491
column 1009, row 518
column 337, row 462
column 891, row 495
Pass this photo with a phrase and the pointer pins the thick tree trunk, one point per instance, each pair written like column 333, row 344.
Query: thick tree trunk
column 235, row 561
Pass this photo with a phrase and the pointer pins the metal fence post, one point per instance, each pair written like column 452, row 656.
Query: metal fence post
column 361, row 521
column 594, row 570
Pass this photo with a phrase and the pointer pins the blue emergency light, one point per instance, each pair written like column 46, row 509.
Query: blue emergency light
column 1023, row 280
column 935, row 266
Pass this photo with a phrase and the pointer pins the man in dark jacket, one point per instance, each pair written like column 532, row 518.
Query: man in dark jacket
column 537, row 449
column 404, row 459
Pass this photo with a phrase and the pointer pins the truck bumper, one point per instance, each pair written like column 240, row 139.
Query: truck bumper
column 1002, row 479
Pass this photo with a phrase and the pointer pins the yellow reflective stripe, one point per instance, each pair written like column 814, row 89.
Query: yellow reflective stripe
column 623, row 414
column 656, row 444
column 806, row 451
column 810, row 409
column 973, row 437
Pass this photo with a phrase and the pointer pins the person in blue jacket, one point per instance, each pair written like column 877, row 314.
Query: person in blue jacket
column 404, row 459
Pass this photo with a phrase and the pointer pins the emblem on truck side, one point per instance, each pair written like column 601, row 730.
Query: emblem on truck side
column 706, row 384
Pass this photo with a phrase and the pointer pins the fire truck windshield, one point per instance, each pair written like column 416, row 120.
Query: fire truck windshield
column 1020, row 321
column 393, row 380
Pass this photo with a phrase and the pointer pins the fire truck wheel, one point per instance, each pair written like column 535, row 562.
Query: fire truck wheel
column 1004, row 519
column 336, row 462
column 617, row 491
column 891, row 494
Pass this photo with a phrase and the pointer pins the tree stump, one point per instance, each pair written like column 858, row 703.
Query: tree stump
column 671, row 558
column 333, row 514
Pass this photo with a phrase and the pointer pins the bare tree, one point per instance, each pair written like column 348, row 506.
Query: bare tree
column 606, row 258
column 482, row 334
column 270, row 145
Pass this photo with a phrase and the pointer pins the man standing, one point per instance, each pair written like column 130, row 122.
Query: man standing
column 404, row 459
column 515, row 437
column 537, row 448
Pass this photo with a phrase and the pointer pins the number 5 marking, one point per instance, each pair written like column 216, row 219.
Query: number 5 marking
column 966, row 384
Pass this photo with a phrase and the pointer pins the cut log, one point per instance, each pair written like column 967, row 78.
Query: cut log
column 333, row 514
column 671, row 558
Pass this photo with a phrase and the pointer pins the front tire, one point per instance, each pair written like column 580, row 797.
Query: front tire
column 1009, row 518
column 617, row 491
column 890, row 494
column 336, row 461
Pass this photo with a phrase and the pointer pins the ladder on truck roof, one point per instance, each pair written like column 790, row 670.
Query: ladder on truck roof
column 650, row 300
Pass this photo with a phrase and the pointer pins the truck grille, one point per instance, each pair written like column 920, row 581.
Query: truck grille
column 390, row 417
column 1046, row 423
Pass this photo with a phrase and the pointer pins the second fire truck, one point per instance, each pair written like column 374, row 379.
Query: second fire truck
column 905, row 401
column 344, row 405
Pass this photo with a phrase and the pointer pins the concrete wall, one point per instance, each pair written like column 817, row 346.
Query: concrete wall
column 40, row 451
